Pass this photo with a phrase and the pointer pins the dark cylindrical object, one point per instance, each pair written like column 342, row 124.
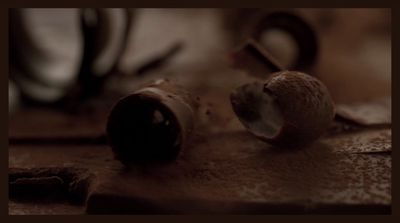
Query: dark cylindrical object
column 152, row 124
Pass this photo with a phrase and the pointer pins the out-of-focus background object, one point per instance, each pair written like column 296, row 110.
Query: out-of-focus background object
column 223, row 170
column 55, row 52
column 50, row 48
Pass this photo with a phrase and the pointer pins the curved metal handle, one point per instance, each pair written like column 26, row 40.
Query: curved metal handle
column 301, row 31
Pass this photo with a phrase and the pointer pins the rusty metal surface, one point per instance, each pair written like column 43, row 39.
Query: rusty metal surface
column 236, row 169
column 224, row 169
column 368, row 141
column 72, row 124
column 34, row 208
column 28, row 158
column 350, row 171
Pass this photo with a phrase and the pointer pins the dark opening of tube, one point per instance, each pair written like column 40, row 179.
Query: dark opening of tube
column 142, row 129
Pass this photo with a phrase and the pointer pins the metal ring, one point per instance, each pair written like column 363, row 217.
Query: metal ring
column 300, row 30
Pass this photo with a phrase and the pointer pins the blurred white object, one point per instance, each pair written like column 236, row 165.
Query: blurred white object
column 113, row 33
column 52, row 48
column 55, row 49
